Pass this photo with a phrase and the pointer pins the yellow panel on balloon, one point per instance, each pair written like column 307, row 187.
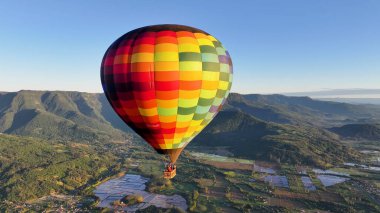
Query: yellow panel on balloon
column 142, row 57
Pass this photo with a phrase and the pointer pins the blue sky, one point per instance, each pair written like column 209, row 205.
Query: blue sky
column 276, row 46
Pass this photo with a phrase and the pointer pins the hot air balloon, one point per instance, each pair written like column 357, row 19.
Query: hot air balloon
column 167, row 82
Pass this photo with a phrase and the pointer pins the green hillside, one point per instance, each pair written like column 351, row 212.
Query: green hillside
column 31, row 167
column 359, row 131
column 247, row 136
column 69, row 116
column 270, row 127
column 303, row 110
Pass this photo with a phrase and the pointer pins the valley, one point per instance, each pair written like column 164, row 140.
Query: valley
column 260, row 154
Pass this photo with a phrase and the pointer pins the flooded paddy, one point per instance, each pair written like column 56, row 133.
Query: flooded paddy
column 329, row 180
column 329, row 172
column 326, row 177
column 308, row 184
column 276, row 180
column 130, row 184
column 261, row 169
column 374, row 168
column 362, row 166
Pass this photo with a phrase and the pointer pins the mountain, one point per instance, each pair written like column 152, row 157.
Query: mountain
column 303, row 110
column 248, row 137
column 60, row 115
column 358, row 131
column 268, row 127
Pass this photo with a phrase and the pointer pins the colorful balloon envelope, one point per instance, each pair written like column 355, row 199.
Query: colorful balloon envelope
column 167, row 82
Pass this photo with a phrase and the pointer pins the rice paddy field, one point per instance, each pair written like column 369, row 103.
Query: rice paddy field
column 213, row 183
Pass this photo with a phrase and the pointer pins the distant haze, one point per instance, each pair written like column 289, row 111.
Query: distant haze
column 339, row 93
column 354, row 96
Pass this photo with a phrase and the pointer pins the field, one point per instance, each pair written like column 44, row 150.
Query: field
column 219, row 184
column 208, row 182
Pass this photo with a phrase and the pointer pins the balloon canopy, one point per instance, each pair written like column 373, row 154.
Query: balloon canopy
column 167, row 82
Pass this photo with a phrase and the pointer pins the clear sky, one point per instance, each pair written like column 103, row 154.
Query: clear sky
column 276, row 46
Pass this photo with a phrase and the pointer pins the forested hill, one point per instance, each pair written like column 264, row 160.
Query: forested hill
column 359, row 131
column 60, row 115
column 304, row 110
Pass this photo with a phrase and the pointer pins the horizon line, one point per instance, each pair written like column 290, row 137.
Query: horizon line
column 299, row 93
